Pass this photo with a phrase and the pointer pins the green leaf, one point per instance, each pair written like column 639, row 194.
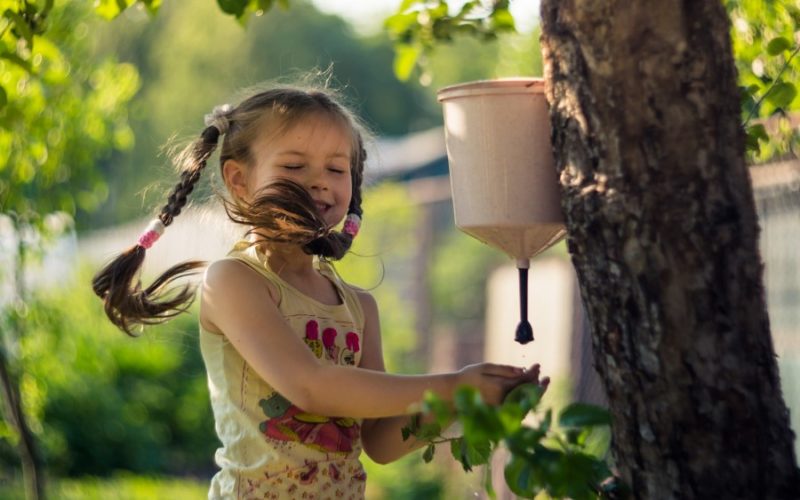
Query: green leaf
column 782, row 94
column 406, row 432
column 527, row 396
column 758, row 131
column 778, row 45
column 233, row 7
column 3, row 97
column 438, row 408
column 457, row 450
column 265, row 5
column 519, row 477
column 109, row 9
column 20, row 25
column 405, row 58
column 582, row 415
column 428, row 454
column 429, row 431
column 478, row 453
column 751, row 144
column 502, row 21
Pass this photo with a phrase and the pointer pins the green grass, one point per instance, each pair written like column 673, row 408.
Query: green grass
column 122, row 487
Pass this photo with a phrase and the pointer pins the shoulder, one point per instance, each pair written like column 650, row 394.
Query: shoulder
column 225, row 283
column 368, row 304
column 229, row 276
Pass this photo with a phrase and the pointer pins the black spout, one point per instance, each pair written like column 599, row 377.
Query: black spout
column 524, row 329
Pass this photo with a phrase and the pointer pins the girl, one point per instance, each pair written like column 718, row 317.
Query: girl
column 293, row 354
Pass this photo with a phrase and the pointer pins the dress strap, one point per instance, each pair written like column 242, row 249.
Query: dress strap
column 249, row 255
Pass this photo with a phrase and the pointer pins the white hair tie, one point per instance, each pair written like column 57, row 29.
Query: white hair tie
column 218, row 118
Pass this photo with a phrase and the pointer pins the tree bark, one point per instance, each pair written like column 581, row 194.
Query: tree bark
column 663, row 234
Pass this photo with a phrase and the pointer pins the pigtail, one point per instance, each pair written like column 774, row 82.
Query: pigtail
column 125, row 302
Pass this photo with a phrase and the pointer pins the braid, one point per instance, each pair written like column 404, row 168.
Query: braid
column 358, row 178
column 125, row 302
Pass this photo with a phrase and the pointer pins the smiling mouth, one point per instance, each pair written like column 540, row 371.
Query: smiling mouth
column 322, row 207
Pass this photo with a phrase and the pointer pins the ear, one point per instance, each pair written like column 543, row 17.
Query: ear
column 234, row 174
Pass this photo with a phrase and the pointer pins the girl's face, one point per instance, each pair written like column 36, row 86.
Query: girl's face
column 315, row 153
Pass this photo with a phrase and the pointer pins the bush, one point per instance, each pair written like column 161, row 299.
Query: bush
column 100, row 401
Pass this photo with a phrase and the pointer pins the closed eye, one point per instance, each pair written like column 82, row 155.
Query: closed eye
column 293, row 167
column 337, row 170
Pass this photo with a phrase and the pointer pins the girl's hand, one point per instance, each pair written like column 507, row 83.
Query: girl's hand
column 494, row 381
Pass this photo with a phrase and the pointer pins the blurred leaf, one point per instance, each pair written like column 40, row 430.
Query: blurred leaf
column 519, row 477
column 437, row 406
column 265, row 5
column 406, row 56
column 778, row 45
column 782, row 94
column 3, row 102
column 427, row 455
column 502, row 20
column 233, row 7
column 109, row 9
column 429, row 431
column 758, row 131
column 582, row 415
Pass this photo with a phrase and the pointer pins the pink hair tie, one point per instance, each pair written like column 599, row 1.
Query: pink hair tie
column 352, row 224
column 154, row 230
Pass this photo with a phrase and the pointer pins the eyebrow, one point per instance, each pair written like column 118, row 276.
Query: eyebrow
column 301, row 153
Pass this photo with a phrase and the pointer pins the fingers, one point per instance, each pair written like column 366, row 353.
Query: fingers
column 506, row 371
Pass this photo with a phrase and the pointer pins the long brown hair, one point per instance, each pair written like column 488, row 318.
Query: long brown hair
column 282, row 212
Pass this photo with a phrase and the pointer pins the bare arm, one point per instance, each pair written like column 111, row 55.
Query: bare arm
column 382, row 437
column 237, row 301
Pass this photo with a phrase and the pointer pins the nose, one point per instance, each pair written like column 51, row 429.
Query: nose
column 316, row 180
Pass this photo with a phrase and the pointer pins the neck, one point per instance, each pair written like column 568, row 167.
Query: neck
column 285, row 258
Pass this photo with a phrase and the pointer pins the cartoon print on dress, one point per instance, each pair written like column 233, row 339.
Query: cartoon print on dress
column 329, row 342
column 287, row 422
column 312, row 338
column 348, row 354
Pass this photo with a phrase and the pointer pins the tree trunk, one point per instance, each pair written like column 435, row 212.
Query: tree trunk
column 663, row 234
column 13, row 412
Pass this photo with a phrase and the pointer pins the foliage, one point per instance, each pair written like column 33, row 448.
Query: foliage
column 99, row 401
column 565, row 461
column 119, row 487
column 281, row 47
column 419, row 25
column 63, row 112
column 765, row 47
column 383, row 252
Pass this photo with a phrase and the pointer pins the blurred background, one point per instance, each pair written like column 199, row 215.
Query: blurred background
column 130, row 418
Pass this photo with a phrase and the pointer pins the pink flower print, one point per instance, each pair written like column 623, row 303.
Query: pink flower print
column 348, row 355
column 352, row 341
column 312, row 338
column 329, row 341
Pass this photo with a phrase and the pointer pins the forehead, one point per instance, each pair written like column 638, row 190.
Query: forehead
column 316, row 133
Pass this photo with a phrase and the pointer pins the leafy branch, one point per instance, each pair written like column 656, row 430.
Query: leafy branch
column 418, row 26
column 778, row 92
column 564, row 461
